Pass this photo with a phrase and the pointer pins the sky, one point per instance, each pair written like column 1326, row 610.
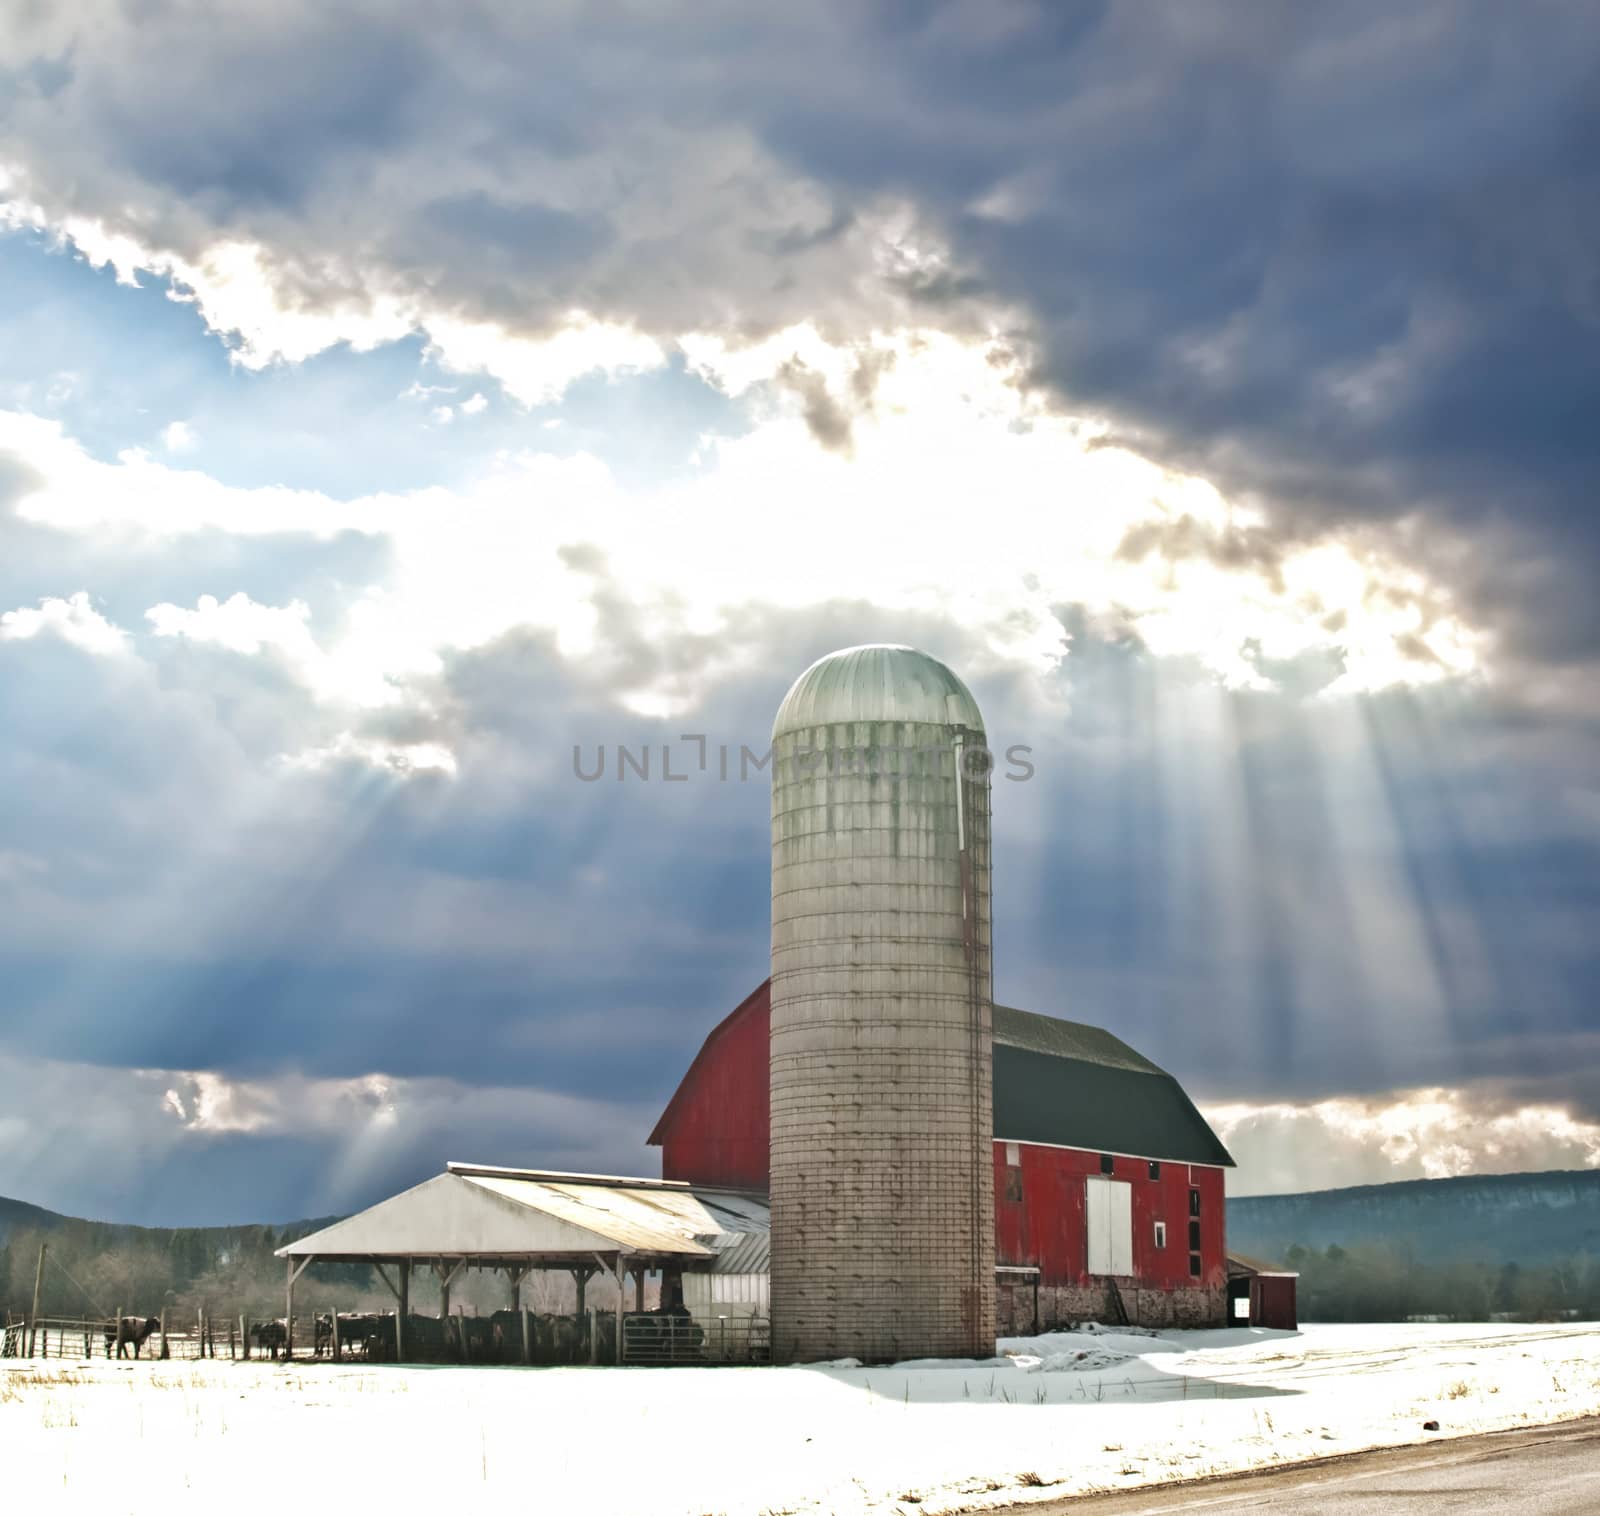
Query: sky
column 402, row 408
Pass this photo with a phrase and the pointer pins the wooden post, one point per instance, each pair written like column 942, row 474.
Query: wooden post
column 461, row 1327
column 622, row 1302
column 295, row 1271
column 164, row 1353
column 335, row 1342
column 527, row 1346
column 244, row 1338
column 638, row 1289
column 231, row 1353
column 200, row 1329
column 119, row 1332
column 594, row 1337
column 33, row 1313
column 404, row 1271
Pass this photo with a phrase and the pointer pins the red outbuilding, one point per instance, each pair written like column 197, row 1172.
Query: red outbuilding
column 1109, row 1195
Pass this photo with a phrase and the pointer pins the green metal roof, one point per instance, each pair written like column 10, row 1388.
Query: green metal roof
column 1067, row 1039
column 1077, row 1086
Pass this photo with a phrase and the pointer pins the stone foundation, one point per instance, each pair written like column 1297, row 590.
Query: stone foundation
column 1067, row 1305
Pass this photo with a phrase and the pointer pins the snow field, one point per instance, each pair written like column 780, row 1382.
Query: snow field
column 1057, row 1414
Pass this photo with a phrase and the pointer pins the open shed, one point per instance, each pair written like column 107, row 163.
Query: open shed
column 1260, row 1294
column 520, row 1220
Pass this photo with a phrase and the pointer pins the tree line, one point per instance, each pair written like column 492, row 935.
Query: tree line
column 1394, row 1282
column 93, row 1269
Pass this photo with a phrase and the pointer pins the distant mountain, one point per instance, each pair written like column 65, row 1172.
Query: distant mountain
column 1530, row 1219
column 16, row 1215
column 21, row 1215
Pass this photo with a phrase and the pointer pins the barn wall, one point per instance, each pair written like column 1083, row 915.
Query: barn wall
column 717, row 1131
column 1272, row 1300
column 1045, row 1228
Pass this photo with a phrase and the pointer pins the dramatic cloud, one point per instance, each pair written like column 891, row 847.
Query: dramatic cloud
column 404, row 407
column 1340, row 259
column 1417, row 1134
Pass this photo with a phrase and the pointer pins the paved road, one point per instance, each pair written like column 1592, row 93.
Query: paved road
column 1538, row 1471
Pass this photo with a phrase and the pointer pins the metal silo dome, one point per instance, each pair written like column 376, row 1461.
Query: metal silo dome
column 880, row 1058
column 880, row 681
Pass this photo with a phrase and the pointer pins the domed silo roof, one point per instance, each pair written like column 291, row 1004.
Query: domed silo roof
column 877, row 682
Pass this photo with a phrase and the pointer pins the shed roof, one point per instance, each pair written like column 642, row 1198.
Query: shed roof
column 475, row 1211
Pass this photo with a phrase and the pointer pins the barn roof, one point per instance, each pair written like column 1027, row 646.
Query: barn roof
column 1055, row 1081
column 475, row 1211
column 1067, row 1039
column 1076, row 1086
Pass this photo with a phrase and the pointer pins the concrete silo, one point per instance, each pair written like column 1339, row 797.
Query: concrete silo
column 882, row 1118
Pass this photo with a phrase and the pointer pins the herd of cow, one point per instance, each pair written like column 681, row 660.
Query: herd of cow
column 504, row 1337
column 460, row 1339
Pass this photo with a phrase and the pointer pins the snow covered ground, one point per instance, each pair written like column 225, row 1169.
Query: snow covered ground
column 1062, row 1413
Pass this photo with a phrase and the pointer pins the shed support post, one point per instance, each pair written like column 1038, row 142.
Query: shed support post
column 638, row 1289
column 404, row 1271
column 622, row 1297
column 295, row 1271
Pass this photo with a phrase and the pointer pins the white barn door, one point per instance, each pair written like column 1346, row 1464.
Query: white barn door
column 1108, row 1210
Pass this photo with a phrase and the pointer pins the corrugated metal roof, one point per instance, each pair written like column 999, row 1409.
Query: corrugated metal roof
column 877, row 682
column 743, row 1253
column 503, row 1214
column 1067, row 1039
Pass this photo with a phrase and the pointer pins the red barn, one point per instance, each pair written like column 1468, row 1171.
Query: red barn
column 1108, row 1182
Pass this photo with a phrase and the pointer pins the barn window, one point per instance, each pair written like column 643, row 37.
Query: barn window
column 1013, row 1154
column 1194, row 1202
column 1107, row 1165
column 1194, row 1265
column 1155, row 1170
column 1013, row 1183
column 1161, row 1235
column 1194, row 1236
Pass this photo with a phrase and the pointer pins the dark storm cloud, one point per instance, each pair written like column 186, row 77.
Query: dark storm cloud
column 1338, row 257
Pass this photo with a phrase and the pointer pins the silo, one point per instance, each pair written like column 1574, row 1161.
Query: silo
column 882, row 1114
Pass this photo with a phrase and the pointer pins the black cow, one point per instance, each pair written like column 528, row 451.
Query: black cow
column 358, row 1330
column 270, row 1336
column 134, row 1330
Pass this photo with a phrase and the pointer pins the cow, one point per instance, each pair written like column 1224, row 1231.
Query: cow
column 134, row 1330
column 357, row 1330
column 271, row 1335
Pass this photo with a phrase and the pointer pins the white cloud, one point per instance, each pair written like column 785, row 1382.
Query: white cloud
column 73, row 620
column 179, row 437
column 940, row 489
column 1414, row 1134
column 538, row 370
column 474, row 404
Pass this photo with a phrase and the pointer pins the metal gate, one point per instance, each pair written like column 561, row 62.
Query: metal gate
column 666, row 1337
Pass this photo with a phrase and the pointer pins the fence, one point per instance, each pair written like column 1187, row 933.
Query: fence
column 83, row 1337
column 665, row 1337
column 505, row 1337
